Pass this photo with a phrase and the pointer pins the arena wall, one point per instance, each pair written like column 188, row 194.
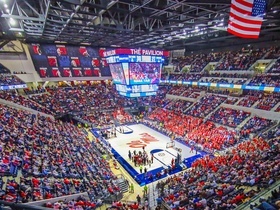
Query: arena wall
column 20, row 62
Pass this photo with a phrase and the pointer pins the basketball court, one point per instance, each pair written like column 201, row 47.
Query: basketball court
column 138, row 136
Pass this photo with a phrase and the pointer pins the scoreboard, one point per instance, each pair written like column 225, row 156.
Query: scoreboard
column 135, row 95
column 134, row 59
column 135, row 72
column 137, row 88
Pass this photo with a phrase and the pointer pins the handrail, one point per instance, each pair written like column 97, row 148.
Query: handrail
column 19, row 206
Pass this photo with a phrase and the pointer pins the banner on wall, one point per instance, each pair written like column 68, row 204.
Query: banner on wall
column 224, row 85
column 12, row 87
column 52, row 60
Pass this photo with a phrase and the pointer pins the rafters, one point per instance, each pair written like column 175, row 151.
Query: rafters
column 136, row 23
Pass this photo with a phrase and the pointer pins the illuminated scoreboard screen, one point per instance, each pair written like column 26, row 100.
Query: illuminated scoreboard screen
column 137, row 88
column 136, row 72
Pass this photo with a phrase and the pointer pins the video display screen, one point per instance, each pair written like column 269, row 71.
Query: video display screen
column 137, row 88
column 52, row 60
column 134, row 59
column 144, row 73
column 117, row 73
column 134, row 95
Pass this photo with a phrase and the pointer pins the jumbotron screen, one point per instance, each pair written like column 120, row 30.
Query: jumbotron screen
column 137, row 88
column 136, row 72
column 144, row 73
column 139, row 66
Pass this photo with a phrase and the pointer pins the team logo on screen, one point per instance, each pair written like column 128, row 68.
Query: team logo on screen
column 52, row 60
column 36, row 49
column 67, row 72
column 61, row 50
column 75, row 62
column 83, row 51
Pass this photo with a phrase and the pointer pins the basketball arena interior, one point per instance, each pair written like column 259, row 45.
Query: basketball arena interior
column 140, row 104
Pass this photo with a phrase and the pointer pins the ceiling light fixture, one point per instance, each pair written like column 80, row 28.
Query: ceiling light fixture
column 12, row 21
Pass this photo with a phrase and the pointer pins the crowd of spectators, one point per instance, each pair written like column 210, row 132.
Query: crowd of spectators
column 240, row 60
column 276, row 67
column 155, row 101
column 7, row 79
column 12, row 96
column 32, row 90
column 180, row 62
column 172, row 123
column 178, row 105
column 205, row 105
column 73, row 99
column 273, row 53
column 219, row 182
column 51, row 158
column 228, row 75
column 177, row 90
column 231, row 100
column 268, row 80
column 196, row 62
column 201, row 60
column 268, row 101
column 193, row 130
column 121, row 116
column 248, row 100
column 229, row 117
column 255, row 124
column 97, row 118
column 63, row 100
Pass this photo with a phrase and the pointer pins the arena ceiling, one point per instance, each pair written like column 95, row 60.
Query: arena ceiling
column 165, row 24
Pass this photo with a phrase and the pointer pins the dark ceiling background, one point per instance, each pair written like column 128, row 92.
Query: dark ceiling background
column 164, row 24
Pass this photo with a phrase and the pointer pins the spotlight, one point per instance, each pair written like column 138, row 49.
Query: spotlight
column 12, row 21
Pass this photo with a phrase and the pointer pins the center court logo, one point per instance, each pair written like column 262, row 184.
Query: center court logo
column 143, row 141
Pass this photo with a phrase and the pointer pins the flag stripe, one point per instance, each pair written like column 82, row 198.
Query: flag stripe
column 248, row 25
column 248, row 3
column 240, row 10
column 245, row 19
column 244, row 28
column 242, row 6
column 242, row 35
column 244, row 32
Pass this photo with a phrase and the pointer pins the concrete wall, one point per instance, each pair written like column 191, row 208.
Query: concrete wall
column 174, row 97
column 20, row 62
column 62, row 198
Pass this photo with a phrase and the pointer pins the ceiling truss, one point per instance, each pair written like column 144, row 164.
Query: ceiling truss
column 128, row 23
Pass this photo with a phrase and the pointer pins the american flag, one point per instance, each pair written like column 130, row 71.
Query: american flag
column 246, row 17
